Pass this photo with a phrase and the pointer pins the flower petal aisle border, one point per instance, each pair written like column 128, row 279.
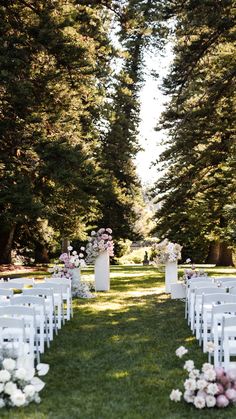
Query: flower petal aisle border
column 19, row 381
column 71, row 270
column 208, row 387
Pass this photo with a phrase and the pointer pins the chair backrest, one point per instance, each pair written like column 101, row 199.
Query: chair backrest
column 12, row 323
column 24, row 281
column 200, row 278
column 221, row 297
column 229, row 284
column 11, row 285
column 27, row 300
column 202, row 284
column 224, row 308
column 41, row 292
column 225, row 279
column 18, row 311
column 59, row 281
column 6, row 292
column 208, row 290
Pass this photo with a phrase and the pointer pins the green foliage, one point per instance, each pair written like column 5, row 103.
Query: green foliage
column 197, row 190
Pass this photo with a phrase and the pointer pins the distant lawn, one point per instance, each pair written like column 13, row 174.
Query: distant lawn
column 116, row 358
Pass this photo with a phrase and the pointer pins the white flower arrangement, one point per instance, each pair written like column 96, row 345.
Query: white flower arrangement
column 208, row 387
column 165, row 251
column 19, row 384
column 84, row 290
column 98, row 242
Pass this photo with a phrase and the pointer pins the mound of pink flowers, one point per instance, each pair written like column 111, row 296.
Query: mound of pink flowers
column 208, row 387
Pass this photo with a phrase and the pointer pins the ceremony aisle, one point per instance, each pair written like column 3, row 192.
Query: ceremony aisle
column 116, row 358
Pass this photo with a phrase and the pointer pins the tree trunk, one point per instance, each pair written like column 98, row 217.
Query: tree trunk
column 225, row 256
column 6, row 240
column 41, row 253
column 213, row 253
column 65, row 244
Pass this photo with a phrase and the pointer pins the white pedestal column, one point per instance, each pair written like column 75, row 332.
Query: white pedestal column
column 102, row 272
column 171, row 274
column 75, row 278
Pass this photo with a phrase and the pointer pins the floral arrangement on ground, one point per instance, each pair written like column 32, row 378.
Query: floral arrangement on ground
column 98, row 242
column 19, row 381
column 71, row 260
column 193, row 272
column 208, row 387
column 166, row 251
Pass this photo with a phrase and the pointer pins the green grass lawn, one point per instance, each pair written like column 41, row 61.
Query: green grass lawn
column 116, row 358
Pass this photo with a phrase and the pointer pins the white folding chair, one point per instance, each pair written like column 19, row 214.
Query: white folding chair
column 48, row 296
column 58, row 291
column 207, row 303
column 12, row 332
column 28, row 315
column 229, row 284
column 189, row 286
column 228, row 344
column 197, row 307
column 40, row 312
column 218, row 312
column 67, row 297
column 192, row 289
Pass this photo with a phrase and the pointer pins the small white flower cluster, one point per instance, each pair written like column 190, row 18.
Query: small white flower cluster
column 166, row 251
column 19, row 384
column 98, row 243
column 206, row 388
column 84, row 290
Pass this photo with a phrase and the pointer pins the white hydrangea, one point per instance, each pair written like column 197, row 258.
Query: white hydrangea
column 212, row 389
column 190, row 384
column 201, row 384
column 4, row 376
column 181, row 351
column 210, row 401
column 189, row 396
column 189, row 365
column 194, row 374
column 199, row 402
column 10, row 388
column 207, row 367
column 210, row 375
column 18, row 398
column 210, row 346
column 21, row 373
column 29, row 390
column 175, row 395
column 9, row 364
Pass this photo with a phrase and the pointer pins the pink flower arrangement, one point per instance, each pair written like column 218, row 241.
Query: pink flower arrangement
column 208, row 387
column 98, row 242
column 71, row 260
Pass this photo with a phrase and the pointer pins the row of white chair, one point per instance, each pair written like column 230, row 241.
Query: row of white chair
column 209, row 304
column 37, row 312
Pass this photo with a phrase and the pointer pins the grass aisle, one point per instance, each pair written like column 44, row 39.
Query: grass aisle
column 116, row 358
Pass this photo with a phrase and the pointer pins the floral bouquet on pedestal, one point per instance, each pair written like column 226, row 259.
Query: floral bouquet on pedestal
column 98, row 242
column 208, row 387
column 165, row 251
column 71, row 260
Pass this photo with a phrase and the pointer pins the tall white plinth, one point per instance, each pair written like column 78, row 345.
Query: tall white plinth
column 102, row 272
column 171, row 274
column 75, row 278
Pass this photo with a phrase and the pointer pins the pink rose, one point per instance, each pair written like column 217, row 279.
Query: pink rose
column 231, row 394
column 222, row 401
column 219, row 372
